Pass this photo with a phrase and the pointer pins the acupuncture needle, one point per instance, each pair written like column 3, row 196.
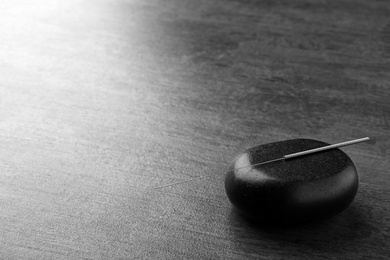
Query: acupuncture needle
column 306, row 152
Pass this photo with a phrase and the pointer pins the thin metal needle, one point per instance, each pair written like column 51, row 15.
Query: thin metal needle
column 288, row 156
column 316, row 150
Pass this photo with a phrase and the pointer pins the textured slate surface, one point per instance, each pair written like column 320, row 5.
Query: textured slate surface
column 118, row 119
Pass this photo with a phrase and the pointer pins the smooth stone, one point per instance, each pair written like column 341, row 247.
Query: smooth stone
column 296, row 190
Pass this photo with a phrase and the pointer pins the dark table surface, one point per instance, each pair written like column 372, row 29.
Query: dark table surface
column 118, row 119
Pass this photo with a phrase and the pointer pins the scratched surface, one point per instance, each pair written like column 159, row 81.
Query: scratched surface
column 118, row 118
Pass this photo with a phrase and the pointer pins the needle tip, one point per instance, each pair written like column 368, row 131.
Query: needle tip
column 372, row 140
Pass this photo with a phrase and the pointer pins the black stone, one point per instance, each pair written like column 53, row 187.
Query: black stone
column 296, row 190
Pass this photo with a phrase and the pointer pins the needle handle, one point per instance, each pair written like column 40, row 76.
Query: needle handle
column 292, row 155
